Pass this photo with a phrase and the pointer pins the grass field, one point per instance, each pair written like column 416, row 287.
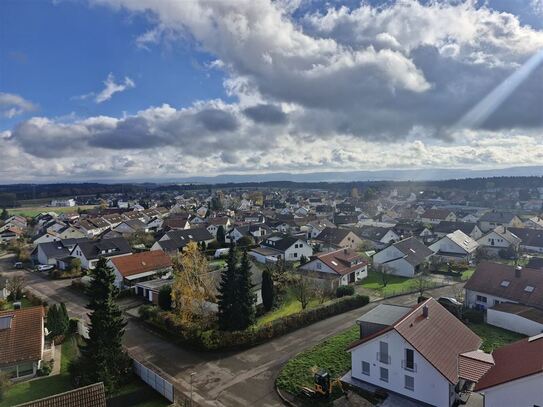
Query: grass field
column 290, row 306
column 494, row 337
column 330, row 355
column 31, row 211
column 395, row 284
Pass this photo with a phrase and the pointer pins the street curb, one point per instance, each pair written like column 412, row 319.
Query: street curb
column 283, row 398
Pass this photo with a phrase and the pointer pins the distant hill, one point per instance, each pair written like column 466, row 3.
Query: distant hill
column 378, row 175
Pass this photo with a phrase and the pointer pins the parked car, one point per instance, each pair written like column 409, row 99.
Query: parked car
column 452, row 305
column 18, row 265
column 44, row 267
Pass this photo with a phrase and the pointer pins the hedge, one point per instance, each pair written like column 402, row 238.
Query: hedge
column 213, row 339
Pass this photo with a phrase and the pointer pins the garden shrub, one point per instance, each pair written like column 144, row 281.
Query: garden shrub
column 344, row 290
column 210, row 338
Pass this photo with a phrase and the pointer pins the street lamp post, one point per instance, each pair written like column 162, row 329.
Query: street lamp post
column 191, row 376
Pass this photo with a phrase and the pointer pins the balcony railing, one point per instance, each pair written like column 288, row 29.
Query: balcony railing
column 411, row 368
column 383, row 358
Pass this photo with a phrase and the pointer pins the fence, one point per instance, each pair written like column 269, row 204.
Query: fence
column 154, row 380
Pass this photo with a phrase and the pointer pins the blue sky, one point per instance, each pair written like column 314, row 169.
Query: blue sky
column 52, row 52
column 145, row 89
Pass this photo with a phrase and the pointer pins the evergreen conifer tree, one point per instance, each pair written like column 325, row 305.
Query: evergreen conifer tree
column 227, row 290
column 267, row 289
column 102, row 357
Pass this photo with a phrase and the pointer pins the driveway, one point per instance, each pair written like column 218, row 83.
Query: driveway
column 244, row 378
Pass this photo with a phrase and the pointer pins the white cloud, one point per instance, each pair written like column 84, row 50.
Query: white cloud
column 111, row 87
column 12, row 105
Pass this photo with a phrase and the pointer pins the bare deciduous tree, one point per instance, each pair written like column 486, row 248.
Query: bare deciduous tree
column 15, row 286
column 304, row 290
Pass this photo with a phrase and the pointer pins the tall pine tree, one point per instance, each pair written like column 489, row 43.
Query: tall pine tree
column 102, row 357
column 245, row 297
column 221, row 236
column 227, row 290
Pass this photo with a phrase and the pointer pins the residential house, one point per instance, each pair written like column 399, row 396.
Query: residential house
column 333, row 238
column 403, row 258
column 69, row 232
column 16, row 220
column 129, row 227
column 493, row 283
column 139, row 267
column 11, row 233
column 63, row 202
column 91, row 251
column 113, row 219
column 534, row 222
column 415, row 357
column 289, row 248
column 516, row 376
column 315, row 227
column 175, row 241
column 176, row 222
column 213, row 224
column 469, row 228
column 491, row 220
column 22, row 339
column 456, row 246
column 93, row 226
column 531, row 240
column 255, row 231
column 53, row 252
column 93, row 395
column 499, row 239
column 376, row 236
column 336, row 268
column 435, row 216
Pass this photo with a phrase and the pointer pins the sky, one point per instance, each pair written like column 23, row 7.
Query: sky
column 145, row 89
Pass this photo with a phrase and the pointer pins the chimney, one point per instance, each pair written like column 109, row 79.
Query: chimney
column 518, row 270
column 425, row 311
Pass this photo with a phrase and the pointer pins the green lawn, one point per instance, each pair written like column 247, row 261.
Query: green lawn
column 395, row 284
column 466, row 275
column 290, row 306
column 46, row 386
column 25, row 303
column 494, row 337
column 330, row 355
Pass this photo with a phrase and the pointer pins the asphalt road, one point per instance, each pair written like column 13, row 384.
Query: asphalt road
column 244, row 378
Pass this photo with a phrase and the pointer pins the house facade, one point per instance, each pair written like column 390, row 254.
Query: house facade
column 403, row 258
column 409, row 358
column 334, row 269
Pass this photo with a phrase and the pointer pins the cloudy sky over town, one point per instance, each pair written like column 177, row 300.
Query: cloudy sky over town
column 146, row 89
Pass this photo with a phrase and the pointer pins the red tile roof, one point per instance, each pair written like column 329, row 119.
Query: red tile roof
column 89, row 396
column 23, row 340
column 473, row 365
column 142, row 262
column 343, row 261
column 514, row 361
column 439, row 338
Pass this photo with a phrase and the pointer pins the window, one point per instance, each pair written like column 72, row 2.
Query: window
column 505, row 283
column 365, row 368
column 295, row 254
column 383, row 353
column 481, row 298
column 529, row 289
column 384, row 374
column 496, row 302
column 409, row 359
column 319, row 266
column 409, row 383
